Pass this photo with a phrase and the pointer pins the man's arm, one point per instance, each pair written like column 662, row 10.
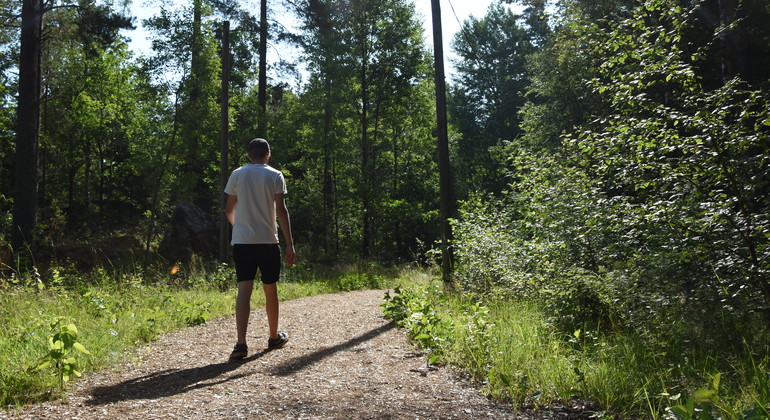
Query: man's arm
column 232, row 200
column 285, row 222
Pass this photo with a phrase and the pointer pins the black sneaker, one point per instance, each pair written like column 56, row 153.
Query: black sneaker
column 277, row 343
column 239, row 352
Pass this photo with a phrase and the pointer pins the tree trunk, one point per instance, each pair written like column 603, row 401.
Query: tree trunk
column 365, row 196
column 733, row 42
column 197, row 45
column 28, row 130
column 224, row 131
column 328, row 187
column 262, row 82
column 196, row 110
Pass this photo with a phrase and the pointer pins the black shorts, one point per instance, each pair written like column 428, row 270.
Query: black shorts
column 250, row 257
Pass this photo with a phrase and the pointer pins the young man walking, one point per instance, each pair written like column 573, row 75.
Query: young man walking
column 255, row 198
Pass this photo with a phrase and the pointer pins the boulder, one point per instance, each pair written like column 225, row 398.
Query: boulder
column 6, row 254
column 191, row 232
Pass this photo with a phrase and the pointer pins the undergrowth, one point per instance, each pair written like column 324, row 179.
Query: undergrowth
column 518, row 354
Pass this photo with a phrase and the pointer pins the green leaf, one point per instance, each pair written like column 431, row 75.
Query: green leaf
column 79, row 347
column 705, row 395
column 55, row 345
column 43, row 365
column 716, row 380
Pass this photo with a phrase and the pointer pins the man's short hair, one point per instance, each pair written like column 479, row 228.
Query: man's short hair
column 258, row 148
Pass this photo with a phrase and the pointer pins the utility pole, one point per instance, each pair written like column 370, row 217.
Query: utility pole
column 445, row 176
column 224, row 128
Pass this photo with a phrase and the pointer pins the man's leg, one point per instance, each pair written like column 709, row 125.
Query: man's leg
column 271, row 307
column 243, row 309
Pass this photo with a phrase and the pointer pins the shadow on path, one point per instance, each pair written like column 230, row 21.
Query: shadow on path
column 301, row 362
column 177, row 381
column 169, row 382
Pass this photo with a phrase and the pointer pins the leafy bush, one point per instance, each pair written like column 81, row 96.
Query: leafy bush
column 417, row 312
column 532, row 257
column 652, row 221
column 690, row 166
column 654, row 211
column 492, row 251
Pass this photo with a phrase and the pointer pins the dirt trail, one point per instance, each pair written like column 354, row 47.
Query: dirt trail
column 343, row 361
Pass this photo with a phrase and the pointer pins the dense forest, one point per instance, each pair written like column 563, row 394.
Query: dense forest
column 121, row 139
column 610, row 158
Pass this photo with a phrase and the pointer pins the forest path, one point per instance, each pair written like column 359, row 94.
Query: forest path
column 343, row 361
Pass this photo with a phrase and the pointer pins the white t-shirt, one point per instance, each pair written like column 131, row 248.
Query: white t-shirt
column 255, row 185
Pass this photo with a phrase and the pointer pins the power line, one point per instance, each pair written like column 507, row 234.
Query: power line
column 451, row 6
column 462, row 31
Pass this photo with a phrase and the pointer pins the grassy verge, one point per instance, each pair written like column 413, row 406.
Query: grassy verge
column 518, row 355
column 113, row 312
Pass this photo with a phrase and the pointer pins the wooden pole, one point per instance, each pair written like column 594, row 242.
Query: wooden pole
column 224, row 128
column 445, row 176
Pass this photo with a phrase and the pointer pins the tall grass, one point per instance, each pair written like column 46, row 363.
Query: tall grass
column 115, row 311
column 510, row 348
column 515, row 351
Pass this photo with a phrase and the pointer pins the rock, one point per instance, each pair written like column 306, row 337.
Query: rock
column 6, row 254
column 191, row 232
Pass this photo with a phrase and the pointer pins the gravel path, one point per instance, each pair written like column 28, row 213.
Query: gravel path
column 343, row 361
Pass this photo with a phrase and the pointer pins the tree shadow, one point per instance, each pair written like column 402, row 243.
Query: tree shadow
column 177, row 381
column 301, row 362
column 169, row 382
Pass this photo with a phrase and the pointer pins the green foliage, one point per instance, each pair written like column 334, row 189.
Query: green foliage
column 508, row 348
column 708, row 404
column 486, row 246
column 514, row 350
column 396, row 307
column 658, row 203
column 127, row 137
column 63, row 349
column 529, row 257
column 688, row 167
column 99, row 110
column 184, row 44
column 358, row 281
column 485, row 96
column 697, row 406
column 361, row 149
column 416, row 311
column 646, row 230
column 194, row 313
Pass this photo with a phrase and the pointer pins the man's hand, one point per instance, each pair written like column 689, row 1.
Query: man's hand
column 291, row 256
